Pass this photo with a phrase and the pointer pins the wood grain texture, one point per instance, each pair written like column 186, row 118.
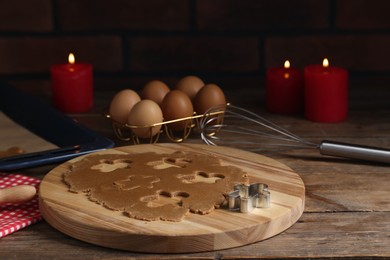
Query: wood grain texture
column 347, row 211
column 74, row 215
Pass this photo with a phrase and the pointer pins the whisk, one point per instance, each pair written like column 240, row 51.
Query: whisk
column 265, row 135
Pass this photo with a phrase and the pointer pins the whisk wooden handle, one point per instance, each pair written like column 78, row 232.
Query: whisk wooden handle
column 355, row 151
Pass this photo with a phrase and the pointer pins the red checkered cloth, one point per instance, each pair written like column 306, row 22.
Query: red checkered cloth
column 17, row 216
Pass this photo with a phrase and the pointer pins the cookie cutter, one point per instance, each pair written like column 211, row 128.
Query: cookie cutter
column 247, row 197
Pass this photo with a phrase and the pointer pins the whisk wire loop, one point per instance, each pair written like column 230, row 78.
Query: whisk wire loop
column 246, row 123
column 263, row 133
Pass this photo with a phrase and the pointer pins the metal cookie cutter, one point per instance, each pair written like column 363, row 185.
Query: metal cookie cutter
column 246, row 197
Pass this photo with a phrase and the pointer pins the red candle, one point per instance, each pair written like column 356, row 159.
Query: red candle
column 284, row 90
column 326, row 93
column 72, row 86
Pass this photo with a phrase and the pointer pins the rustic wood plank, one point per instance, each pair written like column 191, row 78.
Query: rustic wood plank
column 347, row 212
column 326, row 236
column 315, row 236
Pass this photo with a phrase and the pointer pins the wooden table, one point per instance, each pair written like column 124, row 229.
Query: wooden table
column 347, row 211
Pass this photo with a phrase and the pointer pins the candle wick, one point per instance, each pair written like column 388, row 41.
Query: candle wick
column 326, row 70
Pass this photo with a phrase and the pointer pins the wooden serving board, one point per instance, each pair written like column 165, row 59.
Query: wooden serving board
column 75, row 215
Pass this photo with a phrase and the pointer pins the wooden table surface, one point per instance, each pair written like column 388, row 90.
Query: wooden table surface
column 347, row 211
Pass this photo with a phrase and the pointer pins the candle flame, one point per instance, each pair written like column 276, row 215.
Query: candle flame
column 325, row 63
column 287, row 64
column 71, row 58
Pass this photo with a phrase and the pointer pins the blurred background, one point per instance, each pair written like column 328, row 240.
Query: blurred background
column 227, row 42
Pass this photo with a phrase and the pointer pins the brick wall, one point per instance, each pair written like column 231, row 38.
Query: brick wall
column 226, row 41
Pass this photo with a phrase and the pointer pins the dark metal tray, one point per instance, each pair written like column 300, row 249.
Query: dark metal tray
column 72, row 138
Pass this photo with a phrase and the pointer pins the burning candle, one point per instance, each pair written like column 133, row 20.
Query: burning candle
column 72, row 86
column 326, row 93
column 284, row 90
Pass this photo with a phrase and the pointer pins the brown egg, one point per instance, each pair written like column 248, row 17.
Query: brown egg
column 155, row 90
column 190, row 85
column 145, row 113
column 176, row 105
column 210, row 95
column 122, row 103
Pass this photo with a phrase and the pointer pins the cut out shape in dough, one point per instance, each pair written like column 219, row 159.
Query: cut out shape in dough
column 150, row 186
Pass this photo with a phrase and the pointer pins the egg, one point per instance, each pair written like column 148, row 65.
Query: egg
column 190, row 85
column 176, row 105
column 155, row 90
column 209, row 96
column 145, row 113
column 122, row 103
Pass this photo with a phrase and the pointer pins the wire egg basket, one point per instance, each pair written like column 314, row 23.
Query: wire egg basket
column 125, row 132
